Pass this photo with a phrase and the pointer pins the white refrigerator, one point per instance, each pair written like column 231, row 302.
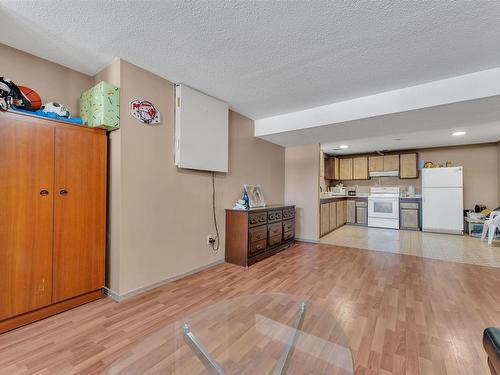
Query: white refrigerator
column 443, row 200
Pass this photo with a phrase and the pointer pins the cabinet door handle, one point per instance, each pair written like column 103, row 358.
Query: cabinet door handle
column 63, row 192
column 44, row 192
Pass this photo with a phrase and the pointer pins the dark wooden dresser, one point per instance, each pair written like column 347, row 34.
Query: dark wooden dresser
column 256, row 233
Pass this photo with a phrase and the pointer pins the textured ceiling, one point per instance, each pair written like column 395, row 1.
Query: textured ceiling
column 267, row 57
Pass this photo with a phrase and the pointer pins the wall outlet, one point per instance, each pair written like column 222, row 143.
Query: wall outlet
column 210, row 239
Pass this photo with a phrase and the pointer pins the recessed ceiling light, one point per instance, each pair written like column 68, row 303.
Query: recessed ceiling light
column 456, row 134
column 344, row 146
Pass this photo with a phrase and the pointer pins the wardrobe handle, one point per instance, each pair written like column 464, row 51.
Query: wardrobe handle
column 44, row 192
column 63, row 192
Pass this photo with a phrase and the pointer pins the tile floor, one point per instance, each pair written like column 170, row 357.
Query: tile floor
column 452, row 248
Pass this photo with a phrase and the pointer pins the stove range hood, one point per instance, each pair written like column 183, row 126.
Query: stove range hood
column 384, row 174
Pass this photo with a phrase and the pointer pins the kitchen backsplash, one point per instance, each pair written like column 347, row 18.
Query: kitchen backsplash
column 363, row 186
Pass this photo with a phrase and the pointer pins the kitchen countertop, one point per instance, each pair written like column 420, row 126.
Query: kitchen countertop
column 332, row 199
column 363, row 196
column 342, row 197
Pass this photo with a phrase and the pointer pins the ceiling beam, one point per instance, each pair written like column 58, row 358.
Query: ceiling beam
column 462, row 88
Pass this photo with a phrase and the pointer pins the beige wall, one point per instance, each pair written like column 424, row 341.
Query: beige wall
column 166, row 213
column 480, row 163
column 481, row 172
column 53, row 82
column 498, row 164
column 111, row 74
column 159, row 217
column 302, row 188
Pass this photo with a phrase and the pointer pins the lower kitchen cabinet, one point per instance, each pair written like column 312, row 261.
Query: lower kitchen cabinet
column 409, row 215
column 336, row 212
column 340, row 213
column 333, row 215
column 362, row 212
column 325, row 219
column 351, row 211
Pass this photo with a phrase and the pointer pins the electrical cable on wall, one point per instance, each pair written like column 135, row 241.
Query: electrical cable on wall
column 216, row 244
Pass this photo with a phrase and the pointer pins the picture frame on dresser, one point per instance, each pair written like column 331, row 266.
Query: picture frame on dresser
column 255, row 196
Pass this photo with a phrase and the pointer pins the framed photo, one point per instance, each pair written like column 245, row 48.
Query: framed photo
column 255, row 196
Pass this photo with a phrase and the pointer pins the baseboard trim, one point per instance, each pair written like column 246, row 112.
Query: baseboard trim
column 49, row 310
column 306, row 240
column 122, row 297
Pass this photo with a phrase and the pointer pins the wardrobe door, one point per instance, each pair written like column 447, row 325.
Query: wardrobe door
column 26, row 208
column 79, row 212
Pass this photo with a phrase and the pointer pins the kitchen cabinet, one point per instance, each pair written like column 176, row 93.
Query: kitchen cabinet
column 408, row 165
column 333, row 215
column 360, row 168
column 325, row 219
column 351, row 211
column 391, row 162
column 409, row 215
column 340, row 213
column 362, row 212
column 375, row 163
column 345, row 169
column 332, row 168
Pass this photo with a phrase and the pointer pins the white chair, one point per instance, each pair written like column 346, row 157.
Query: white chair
column 490, row 226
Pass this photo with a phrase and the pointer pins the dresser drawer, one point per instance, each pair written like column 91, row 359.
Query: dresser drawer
column 275, row 215
column 258, row 246
column 288, row 213
column 257, row 218
column 258, row 233
column 288, row 225
column 275, row 240
column 288, row 235
column 275, row 229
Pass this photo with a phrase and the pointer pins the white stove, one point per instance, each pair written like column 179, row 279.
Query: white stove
column 383, row 207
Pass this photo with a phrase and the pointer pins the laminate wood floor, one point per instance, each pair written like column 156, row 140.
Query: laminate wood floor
column 402, row 314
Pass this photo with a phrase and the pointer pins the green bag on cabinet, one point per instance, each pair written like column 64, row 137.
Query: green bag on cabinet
column 100, row 106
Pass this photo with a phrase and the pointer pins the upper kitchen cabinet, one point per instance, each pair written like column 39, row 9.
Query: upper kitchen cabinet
column 360, row 168
column 408, row 165
column 375, row 163
column 391, row 162
column 345, row 169
column 332, row 168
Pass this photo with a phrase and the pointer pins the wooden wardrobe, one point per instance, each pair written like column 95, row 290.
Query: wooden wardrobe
column 52, row 217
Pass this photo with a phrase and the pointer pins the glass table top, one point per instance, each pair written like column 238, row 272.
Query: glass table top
column 256, row 334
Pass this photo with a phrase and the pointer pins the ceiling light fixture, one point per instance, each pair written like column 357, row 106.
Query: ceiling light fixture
column 456, row 134
column 344, row 146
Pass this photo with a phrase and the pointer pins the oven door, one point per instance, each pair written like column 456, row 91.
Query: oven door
column 383, row 207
